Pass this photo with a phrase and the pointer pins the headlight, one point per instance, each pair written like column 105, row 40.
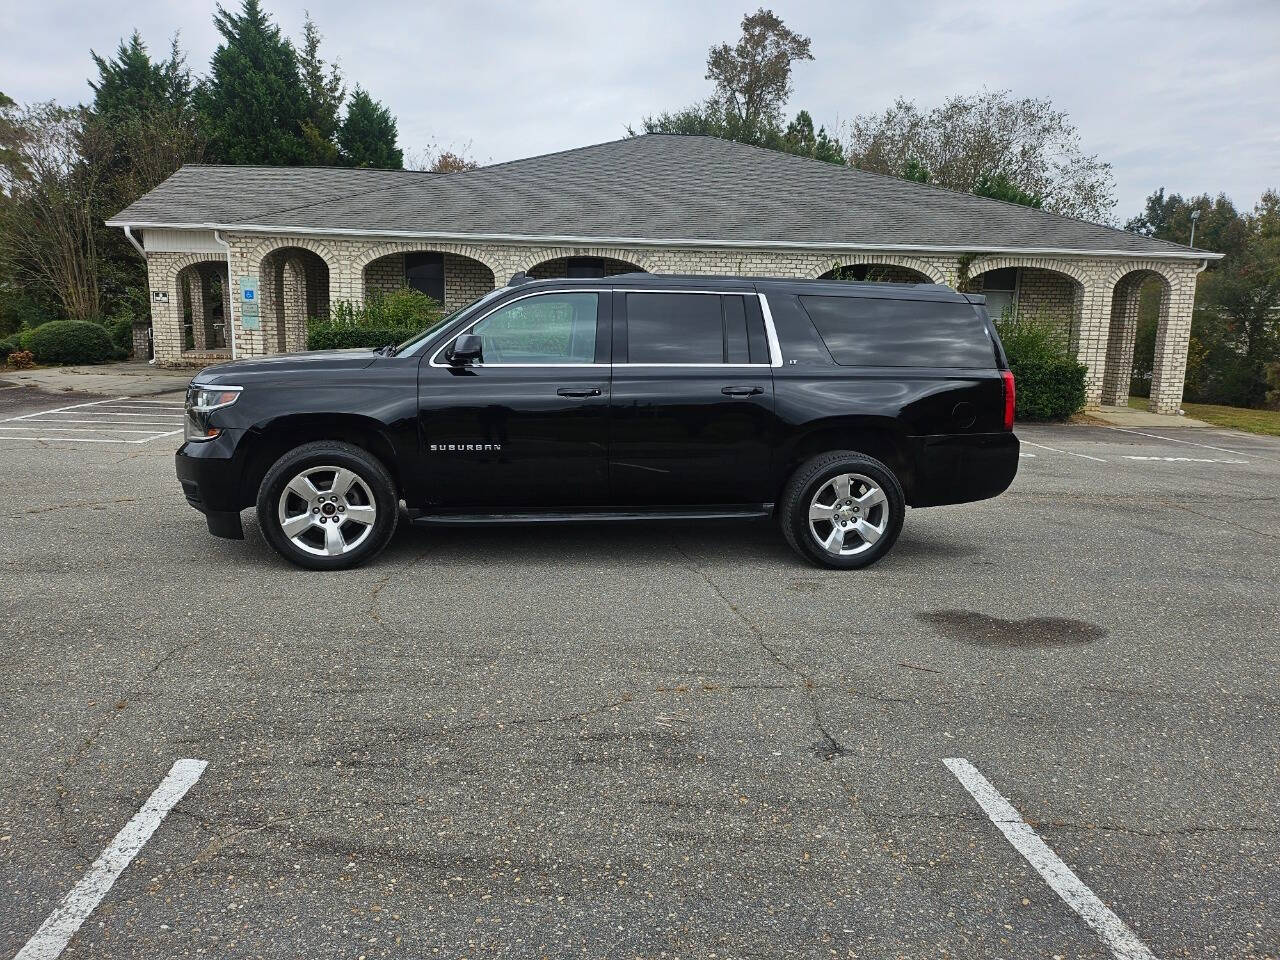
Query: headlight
column 202, row 400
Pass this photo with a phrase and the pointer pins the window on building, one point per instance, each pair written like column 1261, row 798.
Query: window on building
column 425, row 272
column 1001, row 290
column 584, row 268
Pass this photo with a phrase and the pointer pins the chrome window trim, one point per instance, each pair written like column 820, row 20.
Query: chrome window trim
column 451, row 335
column 771, row 334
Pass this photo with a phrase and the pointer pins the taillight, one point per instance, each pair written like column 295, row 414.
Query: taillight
column 1006, row 376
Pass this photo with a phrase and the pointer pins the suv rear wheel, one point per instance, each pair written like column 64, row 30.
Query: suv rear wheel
column 328, row 505
column 842, row 509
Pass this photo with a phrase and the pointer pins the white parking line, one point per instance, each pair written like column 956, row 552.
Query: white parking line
column 1121, row 941
column 1082, row 456
column 1192, row 443
column 56, row 932
column 117, row 419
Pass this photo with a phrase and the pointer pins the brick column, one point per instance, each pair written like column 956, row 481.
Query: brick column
column 1120, row 340
column 197, row 299
column 1091, row 337
column 1173, row 337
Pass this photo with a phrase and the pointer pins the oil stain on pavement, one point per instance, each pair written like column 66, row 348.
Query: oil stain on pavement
column 969, row 626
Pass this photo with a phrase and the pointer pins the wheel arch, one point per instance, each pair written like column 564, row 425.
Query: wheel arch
column 878, row 437
column 278, row 436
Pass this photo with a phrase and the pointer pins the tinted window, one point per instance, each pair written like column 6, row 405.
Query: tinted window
column 550, row 328
column 674, row 328
column 736, row 349
column 864, row 331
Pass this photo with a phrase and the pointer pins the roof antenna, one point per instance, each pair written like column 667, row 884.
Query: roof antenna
column 518, row 278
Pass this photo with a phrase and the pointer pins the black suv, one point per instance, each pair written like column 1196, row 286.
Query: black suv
column 832, row 406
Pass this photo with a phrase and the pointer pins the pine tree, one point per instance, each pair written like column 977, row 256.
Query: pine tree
column 254, row 102
column 324, row 92
column 367, row 136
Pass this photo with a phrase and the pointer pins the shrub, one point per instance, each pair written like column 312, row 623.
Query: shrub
column 9, row 345
column 1048, row 388
column 68, row 341
column 21, row 360
column 1050, row 384
column 384, row 318
column 120, row 329
column 327, row 335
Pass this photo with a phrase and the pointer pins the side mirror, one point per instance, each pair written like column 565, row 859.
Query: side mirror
column 468, row 348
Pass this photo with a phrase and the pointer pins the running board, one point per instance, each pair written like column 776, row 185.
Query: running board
column 753, row 512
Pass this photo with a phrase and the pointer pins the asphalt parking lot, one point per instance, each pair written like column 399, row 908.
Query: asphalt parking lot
column 649, row 740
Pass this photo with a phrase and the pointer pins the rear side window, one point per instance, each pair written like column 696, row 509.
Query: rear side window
column 870, row 332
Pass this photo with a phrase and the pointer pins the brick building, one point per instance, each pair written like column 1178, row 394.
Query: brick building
column 239, row 257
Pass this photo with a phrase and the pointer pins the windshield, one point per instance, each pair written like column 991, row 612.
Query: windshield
column 414, row 343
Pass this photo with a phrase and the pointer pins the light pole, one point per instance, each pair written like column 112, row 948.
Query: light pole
column 1195, row 215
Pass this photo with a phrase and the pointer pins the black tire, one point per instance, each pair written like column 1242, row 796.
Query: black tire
column 374, row 485
column 812, row 479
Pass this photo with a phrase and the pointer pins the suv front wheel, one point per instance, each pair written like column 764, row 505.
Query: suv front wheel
column 328, row 505
column 842, row 509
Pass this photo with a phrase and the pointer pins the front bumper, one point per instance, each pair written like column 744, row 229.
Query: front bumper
column 210, row 473
column 961, row 468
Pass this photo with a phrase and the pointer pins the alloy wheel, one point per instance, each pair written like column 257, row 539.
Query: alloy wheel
column 327, row 511
column 848, row 514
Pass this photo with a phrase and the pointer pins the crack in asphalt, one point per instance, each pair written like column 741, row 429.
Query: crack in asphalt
column 827, row 747
column 87, row 504
column 376, row 592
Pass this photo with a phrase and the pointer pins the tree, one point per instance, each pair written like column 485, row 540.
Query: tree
column 325, row 92
column 752, row 83
column 140, row 128
column 802, row 141
column 1000, row 187
column 1235, row 328
column 753, row 77
column 254, row 102
column 1220, row 227
column 367, row 137
column 47, row 222
column 992, row 137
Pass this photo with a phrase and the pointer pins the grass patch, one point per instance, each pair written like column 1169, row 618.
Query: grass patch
column 1237, row 418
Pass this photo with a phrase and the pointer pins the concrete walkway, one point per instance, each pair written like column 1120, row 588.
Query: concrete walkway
column 123, row 379
column 1129, row 417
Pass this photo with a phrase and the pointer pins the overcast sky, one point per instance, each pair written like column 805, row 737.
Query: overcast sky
column 1179, row 93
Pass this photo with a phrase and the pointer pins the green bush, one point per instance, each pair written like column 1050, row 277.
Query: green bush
column 384, row 318
column 120, row 329
column 69, row 341
column 326, row 335
column 1050, row 383
column 1048, row 388
column 9, row 345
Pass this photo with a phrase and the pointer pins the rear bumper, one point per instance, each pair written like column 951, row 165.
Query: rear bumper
column 961, row 468
column 210, row 473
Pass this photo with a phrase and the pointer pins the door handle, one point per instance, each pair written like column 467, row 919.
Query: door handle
column 579, row 392
column 741, row 391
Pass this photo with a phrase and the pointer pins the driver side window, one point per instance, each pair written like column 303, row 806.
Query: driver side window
column 546, row 328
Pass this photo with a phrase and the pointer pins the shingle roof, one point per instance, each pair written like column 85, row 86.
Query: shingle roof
column 649, row 189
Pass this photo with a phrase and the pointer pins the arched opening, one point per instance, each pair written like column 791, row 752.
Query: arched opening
column 875, row 273
column 581, row 268
column 205, row 307
column 294, row 288
column 450, row 279
column 1033, row 296
column 1139, row 313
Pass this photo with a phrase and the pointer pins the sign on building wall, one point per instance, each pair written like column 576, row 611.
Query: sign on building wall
column 159, row 296
column 249, row 319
